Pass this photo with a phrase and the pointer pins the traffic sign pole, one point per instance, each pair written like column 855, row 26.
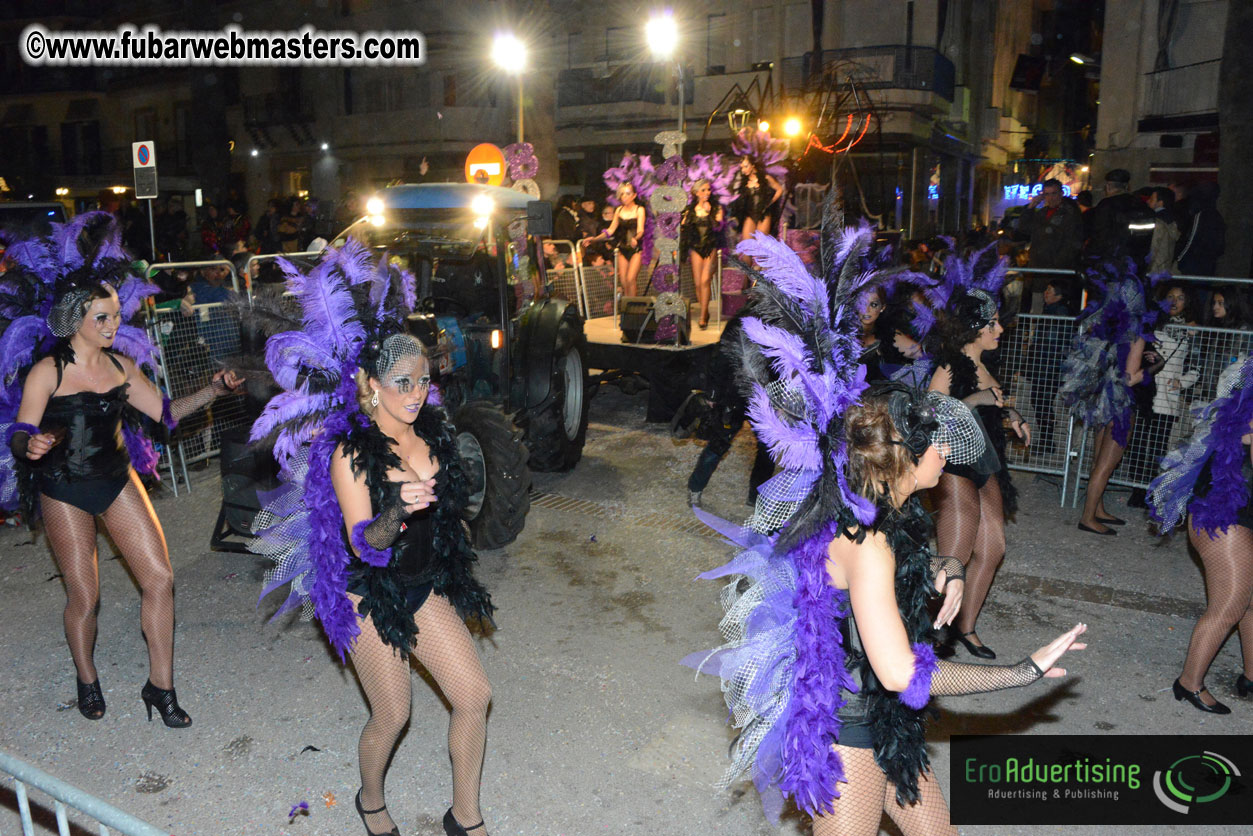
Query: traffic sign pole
column 144, row 160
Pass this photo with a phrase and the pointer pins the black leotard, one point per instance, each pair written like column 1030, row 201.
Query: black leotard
column 755, row 202
column 90, row 466
column 627, row 241
column 432, row 554
column 697, row 234
column 965, row 382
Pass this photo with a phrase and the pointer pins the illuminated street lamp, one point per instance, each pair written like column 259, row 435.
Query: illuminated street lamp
column 662, row 34
column 792, row 126
column 509, row 54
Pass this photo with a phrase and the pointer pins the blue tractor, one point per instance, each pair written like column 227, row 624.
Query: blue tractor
column 511, row 373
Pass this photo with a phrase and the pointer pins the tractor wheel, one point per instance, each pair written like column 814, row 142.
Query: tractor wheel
column 498, row 479
column 557, row 428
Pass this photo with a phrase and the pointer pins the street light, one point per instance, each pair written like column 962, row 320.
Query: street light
column 662, row 34
column 792, row 126
column 509, row 54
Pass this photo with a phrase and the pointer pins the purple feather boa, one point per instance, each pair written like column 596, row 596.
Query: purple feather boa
column 811, row 767
column 139, row 447
column 369, row 554
column 167, row 417
column 326, row 541
column 918, row 693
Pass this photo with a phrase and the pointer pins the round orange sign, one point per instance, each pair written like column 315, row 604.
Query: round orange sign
column 485, row 165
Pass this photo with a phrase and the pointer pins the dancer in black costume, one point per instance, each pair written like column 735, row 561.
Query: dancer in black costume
column 699, row 236
column 973, row 501
column 759, row 200
column 368, row 524
column 627, row 231
column 73, row 444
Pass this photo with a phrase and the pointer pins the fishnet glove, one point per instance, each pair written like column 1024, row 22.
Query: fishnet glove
column 957, row 678
column 953, row 569
column 17, row 444
column 186, row 405
column 383, row 530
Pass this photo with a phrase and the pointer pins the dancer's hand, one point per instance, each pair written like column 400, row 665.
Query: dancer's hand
column 226, row 381
column 1046, row 657
column 417, row 495
column 37, row 446
column 1020, row 427
column 952, row 591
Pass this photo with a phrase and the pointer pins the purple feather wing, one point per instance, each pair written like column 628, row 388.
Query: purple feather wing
column 18, row 344
column 134, row 343
column 328, row 312
column 783, row 267
column 290, row 352
column 131, row 295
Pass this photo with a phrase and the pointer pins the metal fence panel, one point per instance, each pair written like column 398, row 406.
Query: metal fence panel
column 1196, row 361
column 193, row 347
column 105, row 814
column 1033, row 349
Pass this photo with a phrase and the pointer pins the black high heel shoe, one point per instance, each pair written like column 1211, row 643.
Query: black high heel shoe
column 980, row 650
column 90, row 699
column 1244, row 686
column 452, row 828
column 1194, row 697
column 395, row 831
column 166, row 704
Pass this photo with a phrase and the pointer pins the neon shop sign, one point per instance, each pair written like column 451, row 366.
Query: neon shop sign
column 1024, row 192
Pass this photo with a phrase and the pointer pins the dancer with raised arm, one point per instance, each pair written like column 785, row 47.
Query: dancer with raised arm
column 75, row 434
column 367, row 524
column 1208, row 483
column 760, row 184
column 829, row 663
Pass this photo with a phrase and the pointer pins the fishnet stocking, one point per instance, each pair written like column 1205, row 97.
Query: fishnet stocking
column 868, row 793
column 970, row 525
column 1228, row 565
column 443, row 646
column 132, row 523
column 1105, row 458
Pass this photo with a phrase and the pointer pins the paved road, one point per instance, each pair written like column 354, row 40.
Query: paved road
column 595, row 727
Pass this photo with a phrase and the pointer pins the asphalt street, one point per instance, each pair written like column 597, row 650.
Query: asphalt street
column 595, row 728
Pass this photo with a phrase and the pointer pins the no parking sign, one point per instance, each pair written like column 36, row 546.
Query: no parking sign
column 144, row 160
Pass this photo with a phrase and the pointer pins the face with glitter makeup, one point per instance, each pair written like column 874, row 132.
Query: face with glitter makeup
column 404, row 388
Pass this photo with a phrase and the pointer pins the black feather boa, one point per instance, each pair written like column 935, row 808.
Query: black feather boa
column 450, row 569
column 965, row 382
column 898, row 731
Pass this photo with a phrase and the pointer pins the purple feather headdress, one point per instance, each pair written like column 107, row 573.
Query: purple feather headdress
column 713, row 168
column 767, row 153
column 349, row 305
column 636, row 170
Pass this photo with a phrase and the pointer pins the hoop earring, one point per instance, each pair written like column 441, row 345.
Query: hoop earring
column 374, row 402
column 915, row 490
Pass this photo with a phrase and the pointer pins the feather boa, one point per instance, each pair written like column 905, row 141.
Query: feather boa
column 1215, row 444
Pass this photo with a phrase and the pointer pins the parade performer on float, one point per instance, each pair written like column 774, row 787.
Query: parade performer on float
column 760, row 184
column 973, row 499
column 1098, row 375
column 1208, row 481
column 70, row 413
column 367, row 524
column 700, row 235
column 631, row 229
column 829, row 663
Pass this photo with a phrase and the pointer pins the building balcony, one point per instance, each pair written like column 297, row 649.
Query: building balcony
column 269, row 109
column 1182, row 98
column 632, row 83
column 879, row 68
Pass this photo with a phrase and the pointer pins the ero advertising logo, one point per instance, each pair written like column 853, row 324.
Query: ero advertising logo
column 1101, row 779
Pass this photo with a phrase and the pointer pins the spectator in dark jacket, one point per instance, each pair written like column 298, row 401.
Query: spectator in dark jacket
column 1054, row 225
column 1122, row 224
column 1204, row 236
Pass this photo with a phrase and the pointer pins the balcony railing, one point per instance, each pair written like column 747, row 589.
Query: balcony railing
column 1182, row 91
column 651, row 83
column 881, row 68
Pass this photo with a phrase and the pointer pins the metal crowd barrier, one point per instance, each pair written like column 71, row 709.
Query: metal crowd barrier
column 250, row 273
column 1197, row 359
column 564, row 281
column 597, row 291
column 63, row 795
column 1033, row 349
column 189, row 349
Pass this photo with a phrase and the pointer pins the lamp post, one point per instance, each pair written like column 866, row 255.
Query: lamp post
column 509, row 54
column 662, row 34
